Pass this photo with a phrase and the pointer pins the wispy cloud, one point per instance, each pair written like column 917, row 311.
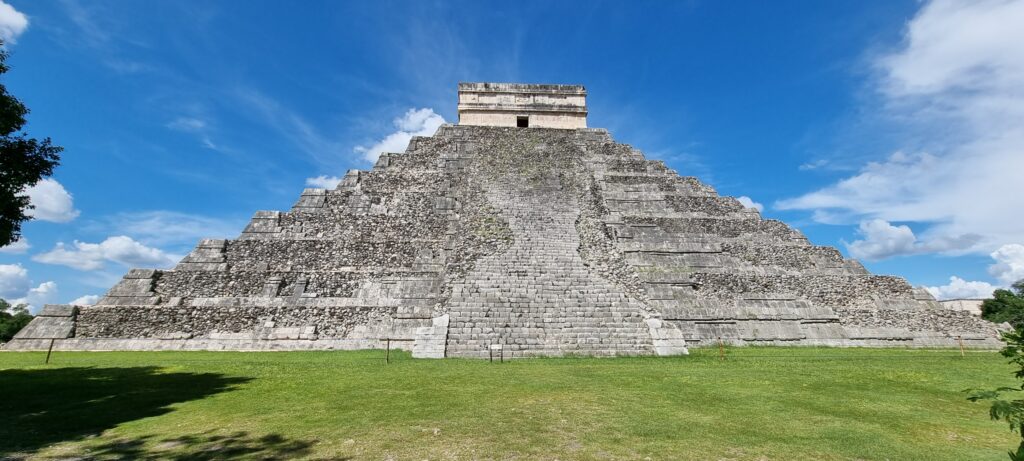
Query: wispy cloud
column 92, row 32
column 163, row 227
column 293, row 127
column 119, row 249
column 195, row 126
column 957, row 77
column 98, row 29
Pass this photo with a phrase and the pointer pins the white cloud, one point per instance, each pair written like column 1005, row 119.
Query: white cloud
column 959, row 76
column 17, row 247
column 12, row 23
column 958, row 288
column 884, row 240
column 51, row 201
column 324, row 182
column 120, row 249
column 415, row 122
column 1009, row 266
column 954, row 44
column 162, row 227
column 16, row 287
column 881, row 239
column 86, row 300
column 36, row 297
column 14, row 281
column 750, row 203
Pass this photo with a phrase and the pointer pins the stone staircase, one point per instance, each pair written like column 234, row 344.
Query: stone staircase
column 537, row 297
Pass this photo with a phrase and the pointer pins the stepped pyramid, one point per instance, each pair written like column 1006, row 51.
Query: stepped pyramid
column 520, row 229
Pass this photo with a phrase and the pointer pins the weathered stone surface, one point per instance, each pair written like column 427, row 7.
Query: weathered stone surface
column 542, row 241
column 55, row 321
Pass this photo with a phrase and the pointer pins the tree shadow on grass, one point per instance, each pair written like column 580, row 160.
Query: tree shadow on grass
column 237, row 446
column 40, row 407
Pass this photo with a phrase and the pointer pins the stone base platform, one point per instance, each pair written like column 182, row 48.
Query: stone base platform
column 197, row 344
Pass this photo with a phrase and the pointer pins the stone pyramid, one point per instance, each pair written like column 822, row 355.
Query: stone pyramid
column 518, row 231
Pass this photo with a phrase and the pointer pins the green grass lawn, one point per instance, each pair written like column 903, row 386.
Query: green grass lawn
column 760, row 403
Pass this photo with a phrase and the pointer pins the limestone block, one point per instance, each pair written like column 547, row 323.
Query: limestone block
column 208, row 267
column 855, row 267
column 430, row 341
column 208, row 255
column 898, row 303
column 879, row 333
column 47, row 328
column 264, row 222
column 351, row 179
column 771, row 331
column 272, row 286
column 58, row 310
column 709, row 331
column 311, row 200
column 132, row 287
column 128, row 301
column 922, row 294
column 823, row 331
column 666, row 337
column 445, row 203
column 300, row 332
column 140, row 274
column 413, row 287
column 232, row 335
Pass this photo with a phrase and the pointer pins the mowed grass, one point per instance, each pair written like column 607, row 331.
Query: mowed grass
column 759, row 403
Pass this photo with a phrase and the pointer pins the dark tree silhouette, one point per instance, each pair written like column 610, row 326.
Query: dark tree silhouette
column 51, row 405
column 1006, row 306
column 204, row 447
column 12, row 319
column 23, row 161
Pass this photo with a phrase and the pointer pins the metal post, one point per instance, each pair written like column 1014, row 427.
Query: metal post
column 49, row 351
column 502, row 355
column 490, row 352
column 960, row 340
column 721, row 349
column 387, row 356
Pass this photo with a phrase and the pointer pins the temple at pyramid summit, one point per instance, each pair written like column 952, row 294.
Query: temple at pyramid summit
column 519, row 229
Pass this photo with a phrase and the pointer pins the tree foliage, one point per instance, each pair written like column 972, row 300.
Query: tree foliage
column 12, row 319
column 23, row 161
column 1006, row 306
column 1010, row 411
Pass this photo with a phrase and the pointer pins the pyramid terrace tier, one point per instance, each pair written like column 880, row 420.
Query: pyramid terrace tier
column 525, row 241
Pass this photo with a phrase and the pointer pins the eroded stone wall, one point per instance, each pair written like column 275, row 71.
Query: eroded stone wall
column 462, row 225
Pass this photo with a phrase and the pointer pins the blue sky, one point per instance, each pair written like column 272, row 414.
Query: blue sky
column 885, row 128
